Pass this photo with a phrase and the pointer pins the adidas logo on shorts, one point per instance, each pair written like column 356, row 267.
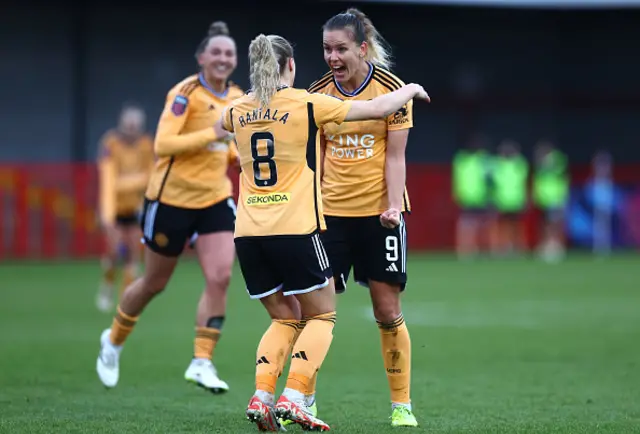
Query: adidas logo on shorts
column 392, row 268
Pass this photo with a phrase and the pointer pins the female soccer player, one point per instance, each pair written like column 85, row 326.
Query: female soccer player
column 364, row 191
column 280, row 217
column 189, row 193
column 125, row 161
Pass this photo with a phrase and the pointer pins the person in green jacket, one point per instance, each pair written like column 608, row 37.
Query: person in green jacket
column 470, row 190
column 550, row 195
column 509, row 175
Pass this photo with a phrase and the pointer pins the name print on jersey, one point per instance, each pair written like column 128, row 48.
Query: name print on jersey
column 355, row 146
column 260, row 115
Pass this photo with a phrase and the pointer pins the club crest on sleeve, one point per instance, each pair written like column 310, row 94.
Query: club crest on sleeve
column 179, row 105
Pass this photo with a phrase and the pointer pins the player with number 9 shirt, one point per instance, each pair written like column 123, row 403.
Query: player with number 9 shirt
column 364, row 192
column 280, row 217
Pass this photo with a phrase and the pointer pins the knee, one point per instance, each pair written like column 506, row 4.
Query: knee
column 154, row 284
column 388, row 309
column 386, row 314
column 218, row 279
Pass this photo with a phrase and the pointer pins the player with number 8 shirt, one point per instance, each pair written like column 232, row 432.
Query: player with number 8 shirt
column 363, row 187
column 279, row 220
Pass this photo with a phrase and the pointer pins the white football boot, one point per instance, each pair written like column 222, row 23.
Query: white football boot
column 202, row 373
column 108, row 364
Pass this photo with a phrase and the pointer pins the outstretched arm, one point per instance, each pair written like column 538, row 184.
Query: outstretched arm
column 384, row 105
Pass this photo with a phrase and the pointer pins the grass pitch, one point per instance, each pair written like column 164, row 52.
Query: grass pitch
column 504, row 346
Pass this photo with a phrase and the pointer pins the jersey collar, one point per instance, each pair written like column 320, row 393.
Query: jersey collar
column 204, row 84
column 361, row 87
column 278, row 89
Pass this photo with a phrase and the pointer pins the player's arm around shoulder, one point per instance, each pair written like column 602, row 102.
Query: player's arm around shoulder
column 386, row 105
column 327, row 108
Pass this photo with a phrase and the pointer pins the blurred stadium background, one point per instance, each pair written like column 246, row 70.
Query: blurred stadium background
column 522, row 74
column 500, row 344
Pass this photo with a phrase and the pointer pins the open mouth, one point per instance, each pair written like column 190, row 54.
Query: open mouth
column 339, row 69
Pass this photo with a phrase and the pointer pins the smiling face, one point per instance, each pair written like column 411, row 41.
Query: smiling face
column 218, row 60
column 132, row 121
column 343, row 54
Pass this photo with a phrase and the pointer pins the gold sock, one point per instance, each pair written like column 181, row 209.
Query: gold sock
column 396, row 353
column 273, row 352
column 311, row 387
column 310, row 351
column 205, row 342
column 121, row 327
column 299, row 327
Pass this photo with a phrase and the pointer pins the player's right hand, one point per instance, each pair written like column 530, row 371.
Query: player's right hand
column 390, row 218
column 420, row 93
column 221, row 133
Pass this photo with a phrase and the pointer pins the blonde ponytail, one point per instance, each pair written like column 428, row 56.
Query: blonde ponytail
column 267, row 57
column 264, row 71
column 379, row 52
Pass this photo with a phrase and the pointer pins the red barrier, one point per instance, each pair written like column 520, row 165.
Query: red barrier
column 50, row 210
column 21, row 222
column 80, row 217
column 48, row 222
column 3, row 226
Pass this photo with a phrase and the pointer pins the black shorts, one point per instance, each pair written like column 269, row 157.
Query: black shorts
column 128, row 220
column 292, row 264
column 166, row 228
column 374, row 252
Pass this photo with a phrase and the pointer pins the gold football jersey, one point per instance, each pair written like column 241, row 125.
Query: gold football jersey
column 194, row 179
column 353, row 183
column 279, row 149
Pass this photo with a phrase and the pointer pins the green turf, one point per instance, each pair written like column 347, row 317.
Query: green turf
column 510, row 346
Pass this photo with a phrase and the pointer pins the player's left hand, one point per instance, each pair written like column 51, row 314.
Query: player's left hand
column 390, row 218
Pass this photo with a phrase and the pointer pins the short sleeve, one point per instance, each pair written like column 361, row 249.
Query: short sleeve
column 233, row 151
column 227, row 121
column 328, row 109
column 402, row 119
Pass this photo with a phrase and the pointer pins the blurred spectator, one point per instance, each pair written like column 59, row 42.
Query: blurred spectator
column 471, row 193
column 124, row 165
column 550, row 195
column 602, row 192
column 509, row 174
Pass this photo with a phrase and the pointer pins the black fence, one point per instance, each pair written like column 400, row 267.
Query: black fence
column 67, row 68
